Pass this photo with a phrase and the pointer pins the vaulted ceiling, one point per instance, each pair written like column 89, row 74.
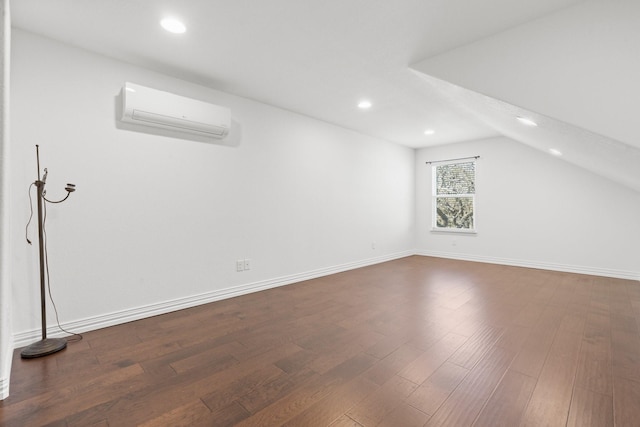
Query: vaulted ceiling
column 462, row 68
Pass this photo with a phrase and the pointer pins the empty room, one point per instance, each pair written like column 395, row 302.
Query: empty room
column 332, row 213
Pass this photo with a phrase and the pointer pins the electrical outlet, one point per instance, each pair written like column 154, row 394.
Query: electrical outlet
column 373, row 245
column 240, row 265
column 247, row 264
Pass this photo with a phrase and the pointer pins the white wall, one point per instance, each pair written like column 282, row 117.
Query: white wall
column 157, row 219
column 535, row 210
column 6, row 337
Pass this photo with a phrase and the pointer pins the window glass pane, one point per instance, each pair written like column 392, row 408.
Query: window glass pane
column 456, row 178
column 454, row 212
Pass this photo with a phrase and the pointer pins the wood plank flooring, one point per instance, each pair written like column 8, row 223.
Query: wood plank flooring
column 418, row 341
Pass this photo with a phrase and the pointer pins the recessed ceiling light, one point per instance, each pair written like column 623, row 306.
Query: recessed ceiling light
column 364, row 105
column 555, row 152
column 173, row 25
column 526, row 121
column 429, row 132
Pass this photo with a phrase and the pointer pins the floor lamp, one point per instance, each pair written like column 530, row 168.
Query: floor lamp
column 46, row 345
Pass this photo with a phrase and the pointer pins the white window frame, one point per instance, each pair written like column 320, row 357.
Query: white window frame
column 435, row 197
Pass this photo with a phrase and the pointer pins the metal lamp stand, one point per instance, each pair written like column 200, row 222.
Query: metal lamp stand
column 46, row 345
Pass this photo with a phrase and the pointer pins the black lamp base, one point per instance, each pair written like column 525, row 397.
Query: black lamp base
column 43, row 347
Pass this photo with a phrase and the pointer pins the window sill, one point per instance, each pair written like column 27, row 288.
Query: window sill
column 453, row 231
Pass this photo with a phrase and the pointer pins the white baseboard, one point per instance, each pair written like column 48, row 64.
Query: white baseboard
column 592, row 271
column 111, row 319
column 4, row 388
column 4, row 381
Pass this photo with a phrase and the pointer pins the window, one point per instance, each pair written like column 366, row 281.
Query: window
column 454, row 196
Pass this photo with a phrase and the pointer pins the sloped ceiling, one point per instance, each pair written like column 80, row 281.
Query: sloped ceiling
column 604, row 156
column 574, row 72
column 460, row 67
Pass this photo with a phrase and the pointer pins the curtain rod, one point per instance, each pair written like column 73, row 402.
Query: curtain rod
column 451, row 160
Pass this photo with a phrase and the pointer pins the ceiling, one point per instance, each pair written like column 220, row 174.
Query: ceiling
column 317, row 58
column 460, row 67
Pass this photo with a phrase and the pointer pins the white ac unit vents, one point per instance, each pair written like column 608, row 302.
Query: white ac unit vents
column 155, row 108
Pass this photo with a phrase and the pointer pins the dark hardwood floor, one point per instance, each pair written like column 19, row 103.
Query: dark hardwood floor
column 413, row 342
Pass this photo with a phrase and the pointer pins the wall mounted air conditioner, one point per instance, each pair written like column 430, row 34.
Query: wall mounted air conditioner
column 155, row 108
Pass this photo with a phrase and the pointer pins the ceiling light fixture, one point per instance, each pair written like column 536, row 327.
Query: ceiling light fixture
column 364, row 105
column 429, row 132
column 173, row 25
column 555, row 152
column 526, row 121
